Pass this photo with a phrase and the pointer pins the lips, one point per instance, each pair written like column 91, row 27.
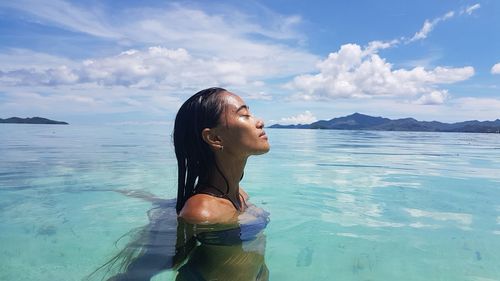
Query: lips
column 263, row 134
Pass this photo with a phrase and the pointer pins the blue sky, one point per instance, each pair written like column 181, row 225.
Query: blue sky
column 119, row 62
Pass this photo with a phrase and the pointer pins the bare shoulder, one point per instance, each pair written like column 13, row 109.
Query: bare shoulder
column 206, row 209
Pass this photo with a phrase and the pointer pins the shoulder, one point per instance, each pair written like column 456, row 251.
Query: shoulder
column 206, row 209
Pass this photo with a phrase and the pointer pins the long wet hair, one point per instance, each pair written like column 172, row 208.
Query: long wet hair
column 194, row 157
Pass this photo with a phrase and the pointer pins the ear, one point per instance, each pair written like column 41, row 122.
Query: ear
column 211, row 138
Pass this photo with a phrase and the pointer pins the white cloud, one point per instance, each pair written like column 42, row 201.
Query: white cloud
column 353, row 72
column 153, row 68
column 429, row 26
column 302, row 118
column 433, row 98
column 470, row 9
column 374, row 46
column 495, row 69
column 422, row 33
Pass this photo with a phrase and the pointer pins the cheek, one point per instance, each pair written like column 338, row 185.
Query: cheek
column 241, row 135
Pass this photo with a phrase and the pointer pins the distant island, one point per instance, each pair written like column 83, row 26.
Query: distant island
column 359, row 121
column 34, row 120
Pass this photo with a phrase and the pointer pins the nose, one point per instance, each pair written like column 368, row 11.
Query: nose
column 260, row 123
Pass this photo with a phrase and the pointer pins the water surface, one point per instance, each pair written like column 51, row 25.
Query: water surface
column 345, row 205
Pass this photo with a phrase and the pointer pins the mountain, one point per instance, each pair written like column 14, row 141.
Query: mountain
column 34, row 120
column 359, row 121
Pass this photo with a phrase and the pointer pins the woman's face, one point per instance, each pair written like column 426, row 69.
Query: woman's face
column 241, row 133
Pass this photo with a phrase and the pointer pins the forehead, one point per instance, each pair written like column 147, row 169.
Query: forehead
column 233, row 102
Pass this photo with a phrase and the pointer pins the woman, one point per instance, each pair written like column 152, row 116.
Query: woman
column 218, row 233
column 214, row 135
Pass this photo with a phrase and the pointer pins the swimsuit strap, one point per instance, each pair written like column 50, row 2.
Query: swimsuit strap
column 218, row 193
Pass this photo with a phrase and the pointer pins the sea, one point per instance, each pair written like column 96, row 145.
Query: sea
column 344, row 205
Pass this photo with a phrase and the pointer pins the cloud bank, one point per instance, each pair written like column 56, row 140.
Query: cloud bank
column 356, row 72
column 155, row 67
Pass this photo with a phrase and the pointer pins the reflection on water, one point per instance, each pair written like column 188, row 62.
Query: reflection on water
column 197, row 252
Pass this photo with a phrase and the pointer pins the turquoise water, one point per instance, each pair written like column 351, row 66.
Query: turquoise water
column 345, row 205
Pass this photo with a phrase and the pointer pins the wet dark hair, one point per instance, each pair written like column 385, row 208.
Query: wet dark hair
column 194, row 157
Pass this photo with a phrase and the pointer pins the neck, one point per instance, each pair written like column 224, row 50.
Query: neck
column 232, row 169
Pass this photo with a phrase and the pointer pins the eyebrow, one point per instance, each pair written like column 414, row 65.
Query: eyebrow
column 242, row 107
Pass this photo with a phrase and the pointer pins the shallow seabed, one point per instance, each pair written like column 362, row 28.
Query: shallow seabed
column 345, row 205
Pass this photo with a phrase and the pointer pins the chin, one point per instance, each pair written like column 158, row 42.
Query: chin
column 263, row 150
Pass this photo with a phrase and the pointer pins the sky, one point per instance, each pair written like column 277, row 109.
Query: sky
column 135, row 62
